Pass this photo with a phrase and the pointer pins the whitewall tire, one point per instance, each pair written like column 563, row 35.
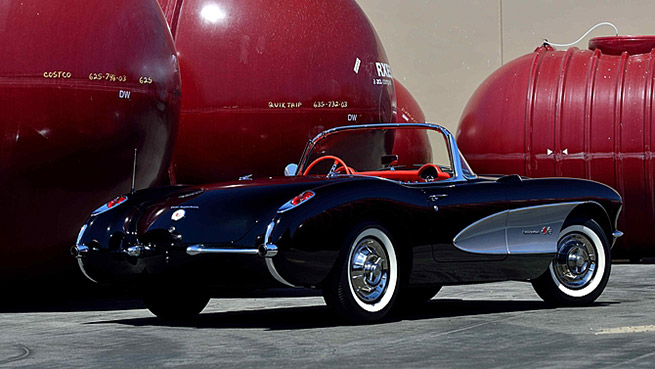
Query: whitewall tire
column 579, row 272
column 364, row 284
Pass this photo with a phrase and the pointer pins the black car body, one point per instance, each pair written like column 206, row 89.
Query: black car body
column 392, row 219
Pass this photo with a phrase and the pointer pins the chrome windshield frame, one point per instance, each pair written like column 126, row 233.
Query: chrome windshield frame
column 455, row 154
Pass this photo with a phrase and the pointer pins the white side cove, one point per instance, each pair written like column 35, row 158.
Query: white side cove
column 529, row 230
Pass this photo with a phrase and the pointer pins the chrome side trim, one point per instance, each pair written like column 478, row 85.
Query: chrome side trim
column 617, row 234
column 528, row 230
column 202, row 249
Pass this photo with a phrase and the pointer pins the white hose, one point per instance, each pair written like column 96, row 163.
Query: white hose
column 585, row 35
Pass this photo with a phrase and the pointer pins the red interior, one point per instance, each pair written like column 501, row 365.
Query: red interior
column 411, row 175
column 406, row 175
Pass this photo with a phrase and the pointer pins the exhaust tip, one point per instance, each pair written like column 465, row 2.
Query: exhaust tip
column 267, row 250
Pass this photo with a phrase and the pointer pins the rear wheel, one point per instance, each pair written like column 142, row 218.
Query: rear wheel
column 364, row 283
column 175, row 305
column 581, row 268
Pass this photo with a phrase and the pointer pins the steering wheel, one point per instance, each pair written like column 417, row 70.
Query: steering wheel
column 337, row 160
column 429, row 172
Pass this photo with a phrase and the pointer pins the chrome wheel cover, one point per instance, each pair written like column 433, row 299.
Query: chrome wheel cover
column 369, row 270
column 576, row 262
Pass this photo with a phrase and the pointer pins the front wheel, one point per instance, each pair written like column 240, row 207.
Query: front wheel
column 581, row 268
column 364, row 283
column 175, row 305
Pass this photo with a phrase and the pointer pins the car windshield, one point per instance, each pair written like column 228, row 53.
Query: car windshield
column 415, row 153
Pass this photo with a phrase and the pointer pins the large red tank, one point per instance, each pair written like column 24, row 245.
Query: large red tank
column 261, row 77
column 81, row 86
column 574, row 113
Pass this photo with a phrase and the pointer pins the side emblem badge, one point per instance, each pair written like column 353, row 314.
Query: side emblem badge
column 544, row 231
column 178, row 214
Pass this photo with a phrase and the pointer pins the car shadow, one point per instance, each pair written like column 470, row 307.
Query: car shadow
column 308, row 317
column 69, row 304
column 81, row 299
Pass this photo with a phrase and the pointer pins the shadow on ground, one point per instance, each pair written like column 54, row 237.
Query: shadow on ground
column 291, row 318
column 45, row 299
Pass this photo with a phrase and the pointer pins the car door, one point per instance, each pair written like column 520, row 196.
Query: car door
column 468, row 220
column 468, row 216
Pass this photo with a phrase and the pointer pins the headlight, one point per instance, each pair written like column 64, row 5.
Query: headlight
column 110, row 205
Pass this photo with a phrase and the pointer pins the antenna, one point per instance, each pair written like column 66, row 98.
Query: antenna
column 133, row 172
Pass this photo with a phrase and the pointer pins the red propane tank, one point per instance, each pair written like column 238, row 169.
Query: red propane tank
column 574, row 113
column 81, row 87
column 260, row 78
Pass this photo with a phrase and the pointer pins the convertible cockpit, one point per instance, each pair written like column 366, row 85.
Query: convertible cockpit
column 395, row 153
column 416, row 173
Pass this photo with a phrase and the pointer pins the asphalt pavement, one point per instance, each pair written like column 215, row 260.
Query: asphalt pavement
column 501, row 325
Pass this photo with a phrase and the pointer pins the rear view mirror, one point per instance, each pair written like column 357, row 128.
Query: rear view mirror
column 388, row 159
column 290, row 169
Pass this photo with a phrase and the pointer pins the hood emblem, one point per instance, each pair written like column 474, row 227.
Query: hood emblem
column 178, row 214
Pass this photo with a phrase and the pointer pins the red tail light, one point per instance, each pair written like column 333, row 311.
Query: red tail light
column 302, row 198
column 296, row 201
column 113, row 203
column 116, row 201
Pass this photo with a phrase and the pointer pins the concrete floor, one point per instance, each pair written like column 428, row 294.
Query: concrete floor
column 492, row 325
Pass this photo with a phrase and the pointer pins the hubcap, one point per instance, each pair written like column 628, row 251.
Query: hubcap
column 576, row 260
column 369, row 270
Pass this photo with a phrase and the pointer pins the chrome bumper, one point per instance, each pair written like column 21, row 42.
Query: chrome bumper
column 266, row 250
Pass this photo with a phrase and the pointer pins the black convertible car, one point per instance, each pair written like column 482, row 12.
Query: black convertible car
column 373, row 215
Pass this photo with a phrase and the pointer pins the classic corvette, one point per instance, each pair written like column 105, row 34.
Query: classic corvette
column 375, row 216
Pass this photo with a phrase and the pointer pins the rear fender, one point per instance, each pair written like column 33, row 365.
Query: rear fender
column 310, row 236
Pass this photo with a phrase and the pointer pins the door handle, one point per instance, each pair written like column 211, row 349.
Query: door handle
column 436, row 197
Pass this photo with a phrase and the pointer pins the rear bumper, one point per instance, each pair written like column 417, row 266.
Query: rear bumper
column 175, row 266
